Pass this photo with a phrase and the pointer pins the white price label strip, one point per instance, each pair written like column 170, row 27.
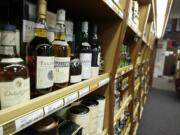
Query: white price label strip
column 71, row 98
column 53, row 106
column 103, row 82
column 83, row 92
column 1, row 130
column 29, row 119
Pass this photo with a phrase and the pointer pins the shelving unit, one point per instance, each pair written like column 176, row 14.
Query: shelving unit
column 115, row 28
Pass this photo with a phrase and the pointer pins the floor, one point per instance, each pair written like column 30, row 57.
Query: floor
column 161, row 114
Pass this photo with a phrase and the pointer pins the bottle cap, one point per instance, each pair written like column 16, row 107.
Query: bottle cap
column 85, row 26
column 61, row 16
column 42, row 8
column 7, row 27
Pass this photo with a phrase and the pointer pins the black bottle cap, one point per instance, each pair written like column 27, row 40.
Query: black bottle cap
column 79, row 109
column 7, row 27
column 90, row 102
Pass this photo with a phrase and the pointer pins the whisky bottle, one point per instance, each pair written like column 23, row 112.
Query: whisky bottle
column 14, row 76
column 85, row 52
column 96, row 50
column 40, row 59
column 62, row 53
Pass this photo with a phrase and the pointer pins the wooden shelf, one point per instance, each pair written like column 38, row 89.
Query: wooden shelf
column 135, row 129
column 121, row 110
column 142, row 108
column 127, row 129
column 136, row 110
column 124, row 70
column 134, row 28
column 104, row 132
column 137, row 87
column 45, row 105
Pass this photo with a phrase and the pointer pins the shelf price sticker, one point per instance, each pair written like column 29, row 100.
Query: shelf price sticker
column 53, row 106
column 83, row 92
column 71, row 98
column 29, row 119
column 104, row 82
column 93, row 87
column 1, row 130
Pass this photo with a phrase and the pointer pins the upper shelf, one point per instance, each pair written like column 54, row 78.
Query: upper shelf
column 88, row 9
column 18, row 117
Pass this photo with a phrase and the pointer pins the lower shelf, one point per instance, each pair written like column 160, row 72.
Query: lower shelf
column 135, row 129
column 18, row 117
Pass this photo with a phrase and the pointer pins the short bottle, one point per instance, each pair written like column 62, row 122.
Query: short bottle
column 40, row 59
column 96, row 50
column 62, row 52
column 85, row 52
column 14, row 76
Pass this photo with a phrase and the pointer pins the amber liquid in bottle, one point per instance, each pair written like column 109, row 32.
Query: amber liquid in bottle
column 62, row 53
column 40, row 59
column 14, row 76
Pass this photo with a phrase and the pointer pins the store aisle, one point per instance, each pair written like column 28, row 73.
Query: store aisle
column 161, row 115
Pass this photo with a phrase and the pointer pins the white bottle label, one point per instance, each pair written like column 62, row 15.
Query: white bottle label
column 11, row 60
column 50, row 36
column 86, row 59
column 28, row 30
column 8, row 38
column 44, row 71
column 61, row 69
column 1, row 130
column 99, row 59
column 75, row 78
column 94, row 71
column 14, row 92
column 6, row 50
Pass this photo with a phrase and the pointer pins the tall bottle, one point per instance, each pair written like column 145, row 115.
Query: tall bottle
column 14, row 76
column 96, row 50
column 85, row 52
column 40, row 59
column 62, row 53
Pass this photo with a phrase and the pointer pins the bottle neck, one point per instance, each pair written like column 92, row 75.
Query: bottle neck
column 60, row 33
column 84, row 36
column 94, row 39
column 8, row 44
column 41, row 28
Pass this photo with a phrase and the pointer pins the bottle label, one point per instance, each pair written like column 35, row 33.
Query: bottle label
column 11, row 60
column 75, row 78
column 94, row 71
column 44, row 72
column 85, row 44
column 8, row 38
column 86, row 59
column 63, row 43
column 6, row 50
column 99, row 59
column 14, row 92
column 50, row 36
column 61, row 69
column 28, row 30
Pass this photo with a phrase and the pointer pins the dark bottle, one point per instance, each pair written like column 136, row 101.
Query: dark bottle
column 75, row 64
column 85, row 52
column 62, row 53
column 14, row 76
column 96, row 50
column 40, row 59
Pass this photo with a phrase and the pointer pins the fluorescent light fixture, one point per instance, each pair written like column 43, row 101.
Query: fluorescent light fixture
column 161, row 7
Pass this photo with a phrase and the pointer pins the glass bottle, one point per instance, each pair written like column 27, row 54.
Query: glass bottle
column 85, row 52
column 96, row 50
column 40, row 59
column 14, row 76
column 62, row 53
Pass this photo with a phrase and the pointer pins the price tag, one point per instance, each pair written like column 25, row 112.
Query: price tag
column 53, row 106
column 104, row 82
column 122, row 73
column 71, row 98
column 83, row 92
column 29, row 119
column 1, row 130
column 93, row 87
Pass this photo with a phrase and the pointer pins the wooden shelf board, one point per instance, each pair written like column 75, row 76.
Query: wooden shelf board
column 105, row 131
column 136, row 110
column 137, row 87
column 51, row 101
column 125, row 104
column 142, row 108
column 134, row 28
column 124, row 70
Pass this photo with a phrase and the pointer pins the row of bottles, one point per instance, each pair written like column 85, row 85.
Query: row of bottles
column 86, row 117
column 50, row 65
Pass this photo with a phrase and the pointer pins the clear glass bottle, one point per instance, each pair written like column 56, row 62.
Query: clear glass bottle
column 96, row 50
column 62, row 53
column 14, row 76
column 85, row 52
column 40, row 59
